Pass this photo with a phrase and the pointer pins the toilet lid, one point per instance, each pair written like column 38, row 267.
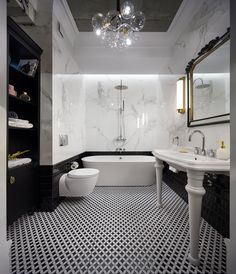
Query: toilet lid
column 83, row 173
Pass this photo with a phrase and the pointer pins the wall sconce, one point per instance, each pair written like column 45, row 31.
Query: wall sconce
column 180, row 95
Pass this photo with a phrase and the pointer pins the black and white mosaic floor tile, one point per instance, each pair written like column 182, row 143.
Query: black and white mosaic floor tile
column 114, row 230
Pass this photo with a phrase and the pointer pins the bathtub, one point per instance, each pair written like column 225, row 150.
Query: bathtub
column 127, row 170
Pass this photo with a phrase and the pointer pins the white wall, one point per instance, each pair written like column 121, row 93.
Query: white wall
column 151, row 119
column 150, row 96
column 68, row 104
column 209, row 19
column 68, row 115
column 4, row 245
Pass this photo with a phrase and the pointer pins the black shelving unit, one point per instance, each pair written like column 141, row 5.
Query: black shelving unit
column 22, row 181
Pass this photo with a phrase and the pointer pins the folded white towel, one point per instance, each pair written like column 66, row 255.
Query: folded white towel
column 18, row 162
column 18, row 120
column 20, row 125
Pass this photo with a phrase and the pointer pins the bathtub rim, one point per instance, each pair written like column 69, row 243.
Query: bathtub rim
column 149, row 159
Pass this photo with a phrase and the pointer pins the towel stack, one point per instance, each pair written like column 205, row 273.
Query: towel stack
column 18, row 162
column 12, row 122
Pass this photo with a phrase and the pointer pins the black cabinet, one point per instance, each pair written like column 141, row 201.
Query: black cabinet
column 22, row 180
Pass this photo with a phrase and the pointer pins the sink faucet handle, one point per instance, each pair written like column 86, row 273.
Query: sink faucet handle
column 203, row 152
column 211, row 153
column 177, row 140
column 197, row 150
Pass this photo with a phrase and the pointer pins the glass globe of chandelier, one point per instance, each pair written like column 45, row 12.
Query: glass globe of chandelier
column 118, row 28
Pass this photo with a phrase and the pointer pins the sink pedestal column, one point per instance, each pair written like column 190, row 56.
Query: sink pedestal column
column 195, row 193
column 159, row 167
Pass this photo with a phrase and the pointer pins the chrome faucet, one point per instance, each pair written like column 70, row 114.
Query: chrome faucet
column 201, row 151
column 177, row 140
column 119, row 149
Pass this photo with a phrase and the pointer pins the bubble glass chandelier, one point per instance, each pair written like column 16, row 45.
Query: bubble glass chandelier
column 118, row 28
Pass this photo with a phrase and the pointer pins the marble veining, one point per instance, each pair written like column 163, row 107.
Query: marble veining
column 68, row 92
column 68, row 115
column 149, row 111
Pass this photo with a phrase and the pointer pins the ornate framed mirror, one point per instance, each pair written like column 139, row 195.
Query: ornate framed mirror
column 208, row 84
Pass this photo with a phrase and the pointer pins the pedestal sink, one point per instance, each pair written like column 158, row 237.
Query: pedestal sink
column 195, row 166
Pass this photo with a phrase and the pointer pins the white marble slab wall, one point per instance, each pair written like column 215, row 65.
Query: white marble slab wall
column 211, row 19
column 68, row 88
column 68, row 115
column 64, row 61
column 151, row 120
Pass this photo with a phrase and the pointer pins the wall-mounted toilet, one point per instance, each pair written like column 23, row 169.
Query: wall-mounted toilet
column 78, row 182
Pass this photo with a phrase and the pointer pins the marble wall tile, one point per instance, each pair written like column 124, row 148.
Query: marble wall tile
column 211, row 19
column 68, row 91
column 151, row 119
column 46, row 119
column 68, row 115
column 63, row 51
column 150, row 113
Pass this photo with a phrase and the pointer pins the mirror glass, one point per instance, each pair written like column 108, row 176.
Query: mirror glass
column 209, row 91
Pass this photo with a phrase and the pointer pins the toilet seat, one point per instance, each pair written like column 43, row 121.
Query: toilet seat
column 83, row 173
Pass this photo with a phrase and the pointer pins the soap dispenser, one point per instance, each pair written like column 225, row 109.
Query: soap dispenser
column 222, row 152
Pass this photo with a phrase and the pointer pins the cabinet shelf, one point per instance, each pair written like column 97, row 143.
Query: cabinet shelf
column 29, row 165
column 20, row 73
column 23, row 194
column 22, row 128
column 18, row 100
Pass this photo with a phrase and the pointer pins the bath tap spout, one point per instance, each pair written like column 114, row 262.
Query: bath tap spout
column 119, row 149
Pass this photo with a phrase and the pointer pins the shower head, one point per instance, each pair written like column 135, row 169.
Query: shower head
column 121, row 87
column 202, row 85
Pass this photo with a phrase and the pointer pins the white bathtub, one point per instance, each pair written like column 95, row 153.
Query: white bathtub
column 127, row 170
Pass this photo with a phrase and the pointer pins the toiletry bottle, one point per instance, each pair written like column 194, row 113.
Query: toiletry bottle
column 222, row 152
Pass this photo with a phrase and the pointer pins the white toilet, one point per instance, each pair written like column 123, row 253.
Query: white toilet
column 78, row 182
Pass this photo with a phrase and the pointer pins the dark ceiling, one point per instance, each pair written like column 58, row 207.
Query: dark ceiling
column 159, row 13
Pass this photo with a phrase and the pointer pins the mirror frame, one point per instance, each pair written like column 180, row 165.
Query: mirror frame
column 205, row 51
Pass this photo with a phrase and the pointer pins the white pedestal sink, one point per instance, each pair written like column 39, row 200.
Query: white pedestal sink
column 195, row 166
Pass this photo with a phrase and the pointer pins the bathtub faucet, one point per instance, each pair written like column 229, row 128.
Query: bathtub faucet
column 119, row 149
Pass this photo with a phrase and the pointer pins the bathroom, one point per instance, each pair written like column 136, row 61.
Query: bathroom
column 155, row 191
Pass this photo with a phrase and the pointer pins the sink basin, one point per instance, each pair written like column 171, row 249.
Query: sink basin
column 184, row 161
column 196, row 166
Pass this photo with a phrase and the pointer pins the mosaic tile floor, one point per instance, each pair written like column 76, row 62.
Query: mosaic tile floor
column 114, row 230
